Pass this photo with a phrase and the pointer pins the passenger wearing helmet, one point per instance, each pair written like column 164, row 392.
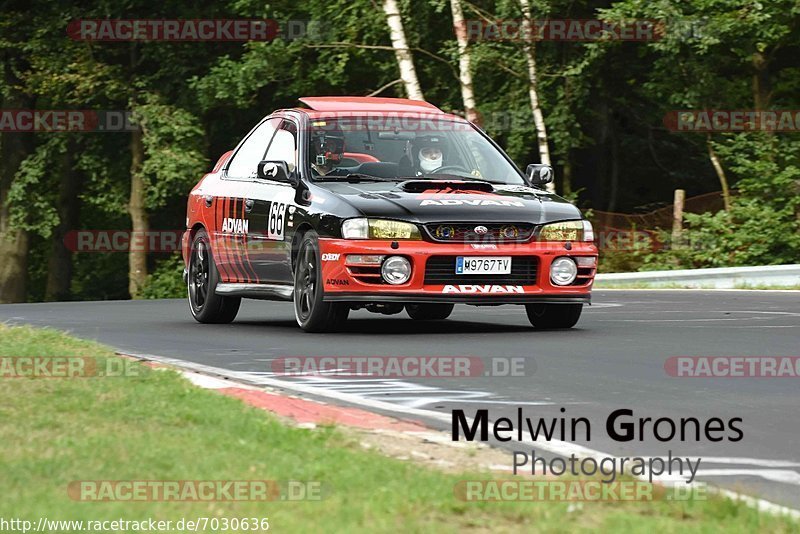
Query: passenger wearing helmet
column 327, row 149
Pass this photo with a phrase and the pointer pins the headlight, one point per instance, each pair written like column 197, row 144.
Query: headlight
column 379, row 229
column 568, row 231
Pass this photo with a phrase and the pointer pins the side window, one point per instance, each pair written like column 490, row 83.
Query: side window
column 284, row 145
column 246, row 160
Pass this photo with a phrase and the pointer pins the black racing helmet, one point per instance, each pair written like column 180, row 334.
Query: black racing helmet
column 327, row 143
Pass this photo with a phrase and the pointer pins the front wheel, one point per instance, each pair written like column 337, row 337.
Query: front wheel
column 553, row 315
column 206, row 306
column 429, row 312
column 311, row 312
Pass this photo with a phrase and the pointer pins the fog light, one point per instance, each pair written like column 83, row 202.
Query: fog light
column 586, row 261
column 396, row 270
column 363, row 259
column 563, row 271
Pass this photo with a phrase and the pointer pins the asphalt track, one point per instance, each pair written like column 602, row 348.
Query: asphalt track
column 615, row 358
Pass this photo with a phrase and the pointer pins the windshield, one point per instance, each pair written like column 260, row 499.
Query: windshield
column 402, row 148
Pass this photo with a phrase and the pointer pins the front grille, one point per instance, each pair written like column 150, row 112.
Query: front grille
column 465, row 232
column 441, row 270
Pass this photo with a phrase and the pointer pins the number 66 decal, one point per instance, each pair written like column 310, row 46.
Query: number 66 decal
column 277, row 216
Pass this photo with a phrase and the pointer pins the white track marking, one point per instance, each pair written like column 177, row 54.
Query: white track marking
column 207, row 382
column 525, row 403
column 774, row 475
column 750, row 461
column 698, row 290
column 726, row 312
column 682, row 320
column 750, row 326
column 793, row 314
column 399, row 391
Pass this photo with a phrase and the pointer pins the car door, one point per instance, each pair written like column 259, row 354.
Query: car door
column 272, row 216
column 232, row 217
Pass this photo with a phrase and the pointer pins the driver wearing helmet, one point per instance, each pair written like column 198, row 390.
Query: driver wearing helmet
column 327, row 149
column 429, row 154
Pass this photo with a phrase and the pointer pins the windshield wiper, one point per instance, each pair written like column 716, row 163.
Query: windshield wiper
column 355, row 177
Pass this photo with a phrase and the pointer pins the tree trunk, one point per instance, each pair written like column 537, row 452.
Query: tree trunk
column 538, row 116
column 14, row 267
column 464, row 63
column 404, row 60
column 59, row 265
column 14, row 148
column 137, row 259
column 679, row 200
column 723, row 180
column 762, row 89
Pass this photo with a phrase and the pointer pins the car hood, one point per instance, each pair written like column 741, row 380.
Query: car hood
column 441, row 201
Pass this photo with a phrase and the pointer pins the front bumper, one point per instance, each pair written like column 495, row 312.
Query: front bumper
column 343, row 283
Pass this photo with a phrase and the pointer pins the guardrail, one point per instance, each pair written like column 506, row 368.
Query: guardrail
column 718, row 278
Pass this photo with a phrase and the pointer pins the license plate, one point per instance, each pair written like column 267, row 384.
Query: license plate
column 483, row 265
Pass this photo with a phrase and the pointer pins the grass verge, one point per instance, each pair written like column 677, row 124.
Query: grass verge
column 154, row 425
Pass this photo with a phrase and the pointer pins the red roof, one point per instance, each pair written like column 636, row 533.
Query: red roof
column 367, row 104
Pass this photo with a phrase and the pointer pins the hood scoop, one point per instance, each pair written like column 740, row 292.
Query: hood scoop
column 419, row 186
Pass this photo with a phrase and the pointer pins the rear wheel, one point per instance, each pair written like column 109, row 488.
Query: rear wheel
column 429, row 312
column 554, row 315
column 206, row 306
column 312, row 314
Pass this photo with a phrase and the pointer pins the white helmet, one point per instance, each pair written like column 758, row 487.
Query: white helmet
column 430, row 158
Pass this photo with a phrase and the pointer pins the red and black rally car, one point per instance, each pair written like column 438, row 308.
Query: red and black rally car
column 384, row 204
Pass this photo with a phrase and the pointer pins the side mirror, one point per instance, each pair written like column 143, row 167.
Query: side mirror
column 539, row 174
column 277, row 171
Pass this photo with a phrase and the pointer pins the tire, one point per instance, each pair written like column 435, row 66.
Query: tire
column 204, row 303
column 553, row 315
column 429, row 312
column 312, row 314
